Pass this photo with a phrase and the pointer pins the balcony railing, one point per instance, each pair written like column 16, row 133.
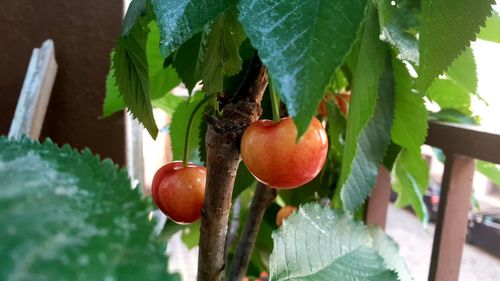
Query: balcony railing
column 462, row 145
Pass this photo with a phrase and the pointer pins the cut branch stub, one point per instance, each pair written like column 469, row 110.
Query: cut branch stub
column 222, row 143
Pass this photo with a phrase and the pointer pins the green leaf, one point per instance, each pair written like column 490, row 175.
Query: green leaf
column 113, row 102
column 191, row 235
column 67, row 215
column 491, row 31
column 244, row 179
column 222, row 55
column 453, row 115
column 490, row 170
column 446, row 29
column 168, row 103
column 302, row 43
column 410, row 115
column 398, row 25
column 448, row 94
column 389, row 250
column 317, row 243
column 369, row 121
column 463, row 71
column 336, row 130
column 135, row 10
column 178, row 129
column 131, row 72
column 179, row 20
column 391, row 155
column 412, row 179
column 161, row 79
column 188, row 60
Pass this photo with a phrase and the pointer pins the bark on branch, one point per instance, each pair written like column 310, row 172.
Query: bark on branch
column 261, row 200
column 222, row 143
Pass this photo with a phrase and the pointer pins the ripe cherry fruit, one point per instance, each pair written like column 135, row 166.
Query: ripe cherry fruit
column 179, row 191
column 284, row 213
column 273, row 156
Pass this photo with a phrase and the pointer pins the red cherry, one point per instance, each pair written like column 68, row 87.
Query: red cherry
column 179, row 191
column 273, row 156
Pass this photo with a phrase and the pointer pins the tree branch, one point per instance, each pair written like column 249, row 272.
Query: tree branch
column 261, row 200
column 222, row 143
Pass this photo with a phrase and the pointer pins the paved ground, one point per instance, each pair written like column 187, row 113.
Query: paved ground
column 415, row 244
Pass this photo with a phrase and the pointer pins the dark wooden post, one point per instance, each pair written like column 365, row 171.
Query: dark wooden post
column 451, row 225
column 376, row 211
column 83, row 33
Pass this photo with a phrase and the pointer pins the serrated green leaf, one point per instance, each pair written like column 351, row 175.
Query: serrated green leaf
column 179, row 20
column 131, row 73
column 463, row 71
column 68, row 215
column 188, row 59
column 369, row 121
column 113, row 102
column 317, row 243
column 336, row 130
column 391, row 155
column 446, row 29
column 388, row 249
column 490, row 170
column 409, row 128
column 302, row 43
column 222, row 56
column 398, row 25
column 448, row 94
column 178, row 128
column 411, row 182
column 135, row 10
column 491, row 31
column 161, row 79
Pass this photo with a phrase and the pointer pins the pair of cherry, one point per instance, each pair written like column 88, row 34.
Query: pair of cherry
column 270, row 152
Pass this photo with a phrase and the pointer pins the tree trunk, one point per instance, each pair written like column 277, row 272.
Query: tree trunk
column 223, row 155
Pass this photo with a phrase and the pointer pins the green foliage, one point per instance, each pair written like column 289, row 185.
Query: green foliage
column 178, row 128
column 188, row 59
column 448, row 94
column 222, row 56
column 454, row 116
column 68, row 215
column 411, row 182
column 161, row 79
column 410, row 115
column 491, row 31
column 131, row 72
column 389, row 251
column 168, row 103
column 317, row 243
column 446, row 29
column 302, row 43
column 179, row 20
column 463, row 71
column 490, row 170
column 191, row 235
column 398, row 25
column 113, row 102
column 369, row 121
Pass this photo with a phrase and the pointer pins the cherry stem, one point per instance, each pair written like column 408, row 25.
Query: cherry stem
column 190, row 125
column 275, row 102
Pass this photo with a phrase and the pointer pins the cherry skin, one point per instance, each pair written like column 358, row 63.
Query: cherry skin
column 273, row 156
column 284, row 213
column 179, row 191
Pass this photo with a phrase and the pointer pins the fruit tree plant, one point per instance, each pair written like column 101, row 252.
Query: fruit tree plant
column 340, row 89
